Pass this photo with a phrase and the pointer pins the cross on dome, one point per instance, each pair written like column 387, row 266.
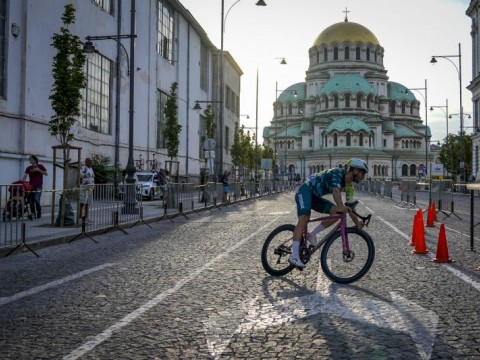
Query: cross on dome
column 346, row 14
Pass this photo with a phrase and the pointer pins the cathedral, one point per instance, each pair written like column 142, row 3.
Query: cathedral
column 345, row 108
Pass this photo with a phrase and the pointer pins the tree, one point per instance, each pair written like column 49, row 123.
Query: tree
column 453, row 151
column 210, row 122
column 66, row 94
column 172, row 127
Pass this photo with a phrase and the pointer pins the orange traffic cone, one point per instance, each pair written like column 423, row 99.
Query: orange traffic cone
column 442, row 249
column 430, row 216
column 414, row 229
column 420, row 245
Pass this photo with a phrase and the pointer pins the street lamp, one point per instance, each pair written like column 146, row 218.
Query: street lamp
column 222, row 74
column 441, row 107
column 418, row 90
column 459, row 72
column 130, row 203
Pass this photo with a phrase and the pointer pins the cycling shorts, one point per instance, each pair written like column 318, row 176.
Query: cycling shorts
column 306, row 202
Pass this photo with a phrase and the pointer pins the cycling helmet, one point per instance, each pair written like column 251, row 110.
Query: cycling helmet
column 358, row 164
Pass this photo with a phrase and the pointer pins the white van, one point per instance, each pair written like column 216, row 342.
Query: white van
column 147, row 185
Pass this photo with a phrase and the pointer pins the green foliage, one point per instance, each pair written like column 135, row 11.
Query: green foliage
column 68, row 79
column 454, row 151
column 210, row 122
column 172, row 128
column 100, row 163
column 243, row 148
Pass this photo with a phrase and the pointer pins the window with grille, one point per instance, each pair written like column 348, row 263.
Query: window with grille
column 161, row 119
column 3, row 6
column 95, row 112
column 105, row 5
column 165, row 30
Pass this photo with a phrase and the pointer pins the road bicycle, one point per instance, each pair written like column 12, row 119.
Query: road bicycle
column 347, row 253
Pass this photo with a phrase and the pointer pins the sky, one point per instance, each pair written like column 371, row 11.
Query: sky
column 410, row 31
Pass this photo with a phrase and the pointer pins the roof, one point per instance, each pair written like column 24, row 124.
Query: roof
column 399, row 92
column 347, row 123
column 294, row 92
column 292, row 131
column 347, row 83
column 404, row 131
column 346, row 32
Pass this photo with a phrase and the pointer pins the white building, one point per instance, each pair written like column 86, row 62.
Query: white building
column 347, row 107
column 170, row 47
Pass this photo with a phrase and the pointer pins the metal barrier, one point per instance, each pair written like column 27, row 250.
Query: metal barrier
column 442, row 195
column 408, row 190
column 13, row 202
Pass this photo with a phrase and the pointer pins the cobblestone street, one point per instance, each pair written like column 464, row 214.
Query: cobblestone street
column 195, row 289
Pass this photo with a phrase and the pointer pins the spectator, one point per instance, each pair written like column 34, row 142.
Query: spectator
column 35, row 173
column 87, row 181
column 224, row 181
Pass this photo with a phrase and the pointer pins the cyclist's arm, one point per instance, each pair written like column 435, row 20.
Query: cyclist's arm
column 337, row 198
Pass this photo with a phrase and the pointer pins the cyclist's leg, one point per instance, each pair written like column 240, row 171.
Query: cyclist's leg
column 303, row 199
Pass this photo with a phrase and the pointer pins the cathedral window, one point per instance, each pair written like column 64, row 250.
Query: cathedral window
column 359, row 100
column 403, row 108
column 370, row 140
column 325, row 141
column 368, row 54
column 289, row 109
column 368, row 102
column 360, row 141
column 318, row 56
column 413, row 170
column 357, row 53
column 347, row 53
column 375, row 54
column 404, row 170
column 349, row 139
column 325, row 54
column 326, row 102
column 347, row 100
column 411, row 109
column 384, row 142
column 392, row 107
column 335, row 53
column 335, row 101
column 335, row 140
column 310, row 143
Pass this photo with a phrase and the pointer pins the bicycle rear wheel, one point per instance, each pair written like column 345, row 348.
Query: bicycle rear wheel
column 350, row 267
column 276, row 250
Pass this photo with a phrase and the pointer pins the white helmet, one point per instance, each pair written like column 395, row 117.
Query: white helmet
column 358, row 164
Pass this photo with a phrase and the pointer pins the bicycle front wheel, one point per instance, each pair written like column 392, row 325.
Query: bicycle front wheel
column 345, row 267
column 276, row 250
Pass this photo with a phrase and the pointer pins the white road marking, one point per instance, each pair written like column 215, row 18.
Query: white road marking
column 106, row 334
column 20, row 295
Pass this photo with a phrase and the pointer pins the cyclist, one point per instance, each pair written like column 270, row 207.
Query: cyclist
column 309, row 196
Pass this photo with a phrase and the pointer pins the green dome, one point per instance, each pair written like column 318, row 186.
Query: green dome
column 292, row 131
column 403, row 131
column 347, row 123
column 347, row 83
column 399, row 92
column 289, row 93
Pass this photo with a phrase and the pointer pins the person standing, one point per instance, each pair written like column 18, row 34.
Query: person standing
column 35, row 172
column 87, row 182
column 224, row 181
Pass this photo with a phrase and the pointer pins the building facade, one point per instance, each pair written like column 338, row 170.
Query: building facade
column 473, row 12
column 347, row 107
column 170, row 46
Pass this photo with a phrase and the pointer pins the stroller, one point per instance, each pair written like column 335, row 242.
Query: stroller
column 18, row 204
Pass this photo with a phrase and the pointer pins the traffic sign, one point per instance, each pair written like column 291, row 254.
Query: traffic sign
column 209, row 144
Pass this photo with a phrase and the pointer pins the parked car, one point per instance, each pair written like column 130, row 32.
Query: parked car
column 147, row 186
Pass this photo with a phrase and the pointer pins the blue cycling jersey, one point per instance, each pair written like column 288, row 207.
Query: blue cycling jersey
column 324, row 182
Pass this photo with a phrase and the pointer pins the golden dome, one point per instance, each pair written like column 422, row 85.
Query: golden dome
column 346, row 32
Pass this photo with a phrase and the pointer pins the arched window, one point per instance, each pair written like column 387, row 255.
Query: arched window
column 374, row 170
column 347, row 53
column 335, row 53
column 413, row 170
column 404, row 170
column 360, row 139
column 411, row 108
column 289, row 109
column 359, row 101
column 325, row 54
column 349, row 139
column 369, row 99
column 318, row 56
column 281, row 109
column 370, row 140
column 392, row 107
column 357, row 53
column 347, row 100
column 335, row 101
column 335, row 140
column 326, row 102
column 403, row 108
column 325, row 142
column 368, row 54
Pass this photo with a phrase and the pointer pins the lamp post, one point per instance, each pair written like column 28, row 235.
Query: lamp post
column 222, row 74
column 130, row 203
column 441, row 107
column 459, row 72
column 424, row 96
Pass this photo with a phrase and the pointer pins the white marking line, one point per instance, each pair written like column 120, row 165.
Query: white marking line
column 20, row 295
column 106, row 334
column 461, row 275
